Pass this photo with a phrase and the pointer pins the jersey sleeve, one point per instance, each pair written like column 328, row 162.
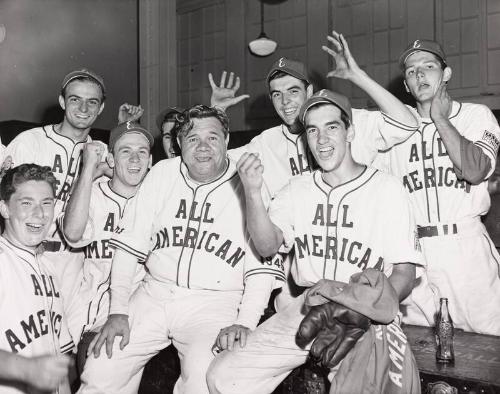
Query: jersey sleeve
column 400, row 243
column 66, row 344
column 281, row 214
column 134, row 231
column 22, row 149
column 482, row 129
column 376, row 131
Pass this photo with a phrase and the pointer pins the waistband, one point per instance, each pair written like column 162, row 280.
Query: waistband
column 462, row 227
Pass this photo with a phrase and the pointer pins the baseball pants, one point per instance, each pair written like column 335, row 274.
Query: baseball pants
column 161, row 314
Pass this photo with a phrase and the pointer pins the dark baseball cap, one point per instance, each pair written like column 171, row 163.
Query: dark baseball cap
column 291, row 67
column 160, row 119
column 83, row 73
column 128, row 127
column 422, row 45
column 329, row 97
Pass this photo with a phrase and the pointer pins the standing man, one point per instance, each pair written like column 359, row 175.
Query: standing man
column 444, row 168
column 341, row 219
column 33, row 333
column 166, row 122
column 203, row 276
column 92, row 215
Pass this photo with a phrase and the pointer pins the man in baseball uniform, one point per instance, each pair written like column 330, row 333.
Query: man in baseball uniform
column 33, row 333
column 341, row 219
column 444, row 168
column 187, row 223
column 92, row 215
column 165, row 122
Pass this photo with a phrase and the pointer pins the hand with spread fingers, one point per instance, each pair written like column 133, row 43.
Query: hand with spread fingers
column 335, row 330
column 345, row 65
column 229, row 336
column 224, row 95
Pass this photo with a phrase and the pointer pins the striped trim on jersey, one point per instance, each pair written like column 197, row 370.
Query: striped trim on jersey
column 403, row 126
column 126, row 248
column 278, row 274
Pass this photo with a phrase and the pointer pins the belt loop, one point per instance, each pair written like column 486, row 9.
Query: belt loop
column 445, row 229
column 455, row 230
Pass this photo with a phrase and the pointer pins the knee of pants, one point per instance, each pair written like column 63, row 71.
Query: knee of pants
column 215, row 375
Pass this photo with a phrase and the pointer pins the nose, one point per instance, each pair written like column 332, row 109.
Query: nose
column 322, row 136
column 202, row 145
column 38, row 211
column 83, row 106
column 420, row 72
column 285, row 98
column 134, row 156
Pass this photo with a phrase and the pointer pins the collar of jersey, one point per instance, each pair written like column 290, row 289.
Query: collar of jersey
column 228, row 173
column 62, row 139
column 455, row 109
column 22, row 252
column 349, row 185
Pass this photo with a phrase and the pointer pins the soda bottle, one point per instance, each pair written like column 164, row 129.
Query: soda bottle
column 444, row 334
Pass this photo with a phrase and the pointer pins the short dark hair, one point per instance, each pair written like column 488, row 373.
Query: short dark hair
column 281, row 74
column 24, row 173
column 343, row 115
column 184, row 122
column 84, row 79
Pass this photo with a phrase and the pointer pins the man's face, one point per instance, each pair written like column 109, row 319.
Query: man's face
column 204, row 149
column 82, row 104
column 423, row 75
column 327, row 136
column 28, row 213
column 288, row 94
column 131, row 157
column 166, row 139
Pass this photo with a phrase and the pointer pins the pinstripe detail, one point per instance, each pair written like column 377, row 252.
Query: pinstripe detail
column 490, row 244
column 120, row 245
column 397, row 123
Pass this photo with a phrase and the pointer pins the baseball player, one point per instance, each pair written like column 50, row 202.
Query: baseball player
column 33, row 331
column 444, row 168
column 165, row 122
column 341, row 219
column 92, row 215
column 283, row 149
column 187, row 223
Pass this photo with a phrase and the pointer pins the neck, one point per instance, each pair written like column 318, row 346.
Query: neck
column 77, row 135
column 121, row 188
column 424, row 109
column 295, row 128
column 346, row 172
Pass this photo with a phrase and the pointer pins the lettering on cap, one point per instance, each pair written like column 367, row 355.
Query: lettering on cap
column 322, row 93
column 417, row 44
column 128, row 125
column 281, row 62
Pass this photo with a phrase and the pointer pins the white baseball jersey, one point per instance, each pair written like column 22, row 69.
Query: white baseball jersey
column 336, row 232
column 190, row 234
column 89, row 306
column 285, row 155
column 32, row 322
column 462, row 262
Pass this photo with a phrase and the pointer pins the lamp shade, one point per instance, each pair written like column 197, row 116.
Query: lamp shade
column 262, row 46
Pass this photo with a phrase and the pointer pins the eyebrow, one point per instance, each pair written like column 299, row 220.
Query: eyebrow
column 290, row 88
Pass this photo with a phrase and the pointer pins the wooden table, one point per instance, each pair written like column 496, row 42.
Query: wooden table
column 476, row 368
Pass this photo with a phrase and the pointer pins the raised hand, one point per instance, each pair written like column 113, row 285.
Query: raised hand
column 250, row 169
column 129, row 113
column 441, row 103
column 224, row 95
column 345, row 65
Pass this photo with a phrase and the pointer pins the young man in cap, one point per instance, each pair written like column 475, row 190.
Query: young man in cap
column 444, row 168
column 341, row 219
column 166, row 122
column 92, row 215
column 33, row 330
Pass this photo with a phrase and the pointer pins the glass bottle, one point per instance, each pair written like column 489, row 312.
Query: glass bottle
column 444, row 334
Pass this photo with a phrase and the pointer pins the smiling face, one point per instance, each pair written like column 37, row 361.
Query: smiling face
column 327, row 136
column 82, row 103
column 204, row 149
column 130, row 159
column 28, row 213
column 166, row 139
column 288, row 94
column 424, row 74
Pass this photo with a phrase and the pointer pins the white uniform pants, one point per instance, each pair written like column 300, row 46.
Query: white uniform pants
column 268, row 357
column 463, row 267
column 161, row 314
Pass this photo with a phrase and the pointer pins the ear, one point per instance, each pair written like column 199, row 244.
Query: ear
column 227, row 139
column 110, row 159
column 309, row 90
column 62, row 103
column 4, row 209
column 447, row 74
column 406, row 87
column 350, row 133
column 100, row 109
column 150, row 164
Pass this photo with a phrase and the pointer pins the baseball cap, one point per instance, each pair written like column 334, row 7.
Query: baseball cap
column 129, row 127
column 422, row 45
column 85, row 73
column 292, row 67
column 160, row 119
column 329, row 97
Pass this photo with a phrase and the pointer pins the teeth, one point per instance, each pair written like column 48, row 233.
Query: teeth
column 327, row 149
column 289, row 111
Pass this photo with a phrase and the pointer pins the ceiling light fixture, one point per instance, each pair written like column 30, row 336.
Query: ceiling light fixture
column 263, row 45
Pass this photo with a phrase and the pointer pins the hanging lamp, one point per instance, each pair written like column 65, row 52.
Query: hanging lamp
column 263, row 45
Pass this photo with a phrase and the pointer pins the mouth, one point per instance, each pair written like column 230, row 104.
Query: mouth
column 35, row 228
column 325, row 152
column 134, row 170
column 423, row 86
column 203, row 159
column 290, row 111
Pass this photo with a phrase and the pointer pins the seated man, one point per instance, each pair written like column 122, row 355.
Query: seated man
column 187, row 224
column 92, row 215
column 33, row 331
column 341, row 220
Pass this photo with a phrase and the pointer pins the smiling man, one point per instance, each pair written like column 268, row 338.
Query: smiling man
column 444, row 168
column 341, row 219
column 33, row 331
column 91, row 217
column 204, row 278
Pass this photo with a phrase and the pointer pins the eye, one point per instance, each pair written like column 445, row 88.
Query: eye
column 333, row 127
column 94, row 103
column 275, row 95
column 25, row 203
column 191, row 139
column 311, row 130
column 410, row 72
column 294, row 91
column 48, row 203
column 167, row 137
column 73, row 100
